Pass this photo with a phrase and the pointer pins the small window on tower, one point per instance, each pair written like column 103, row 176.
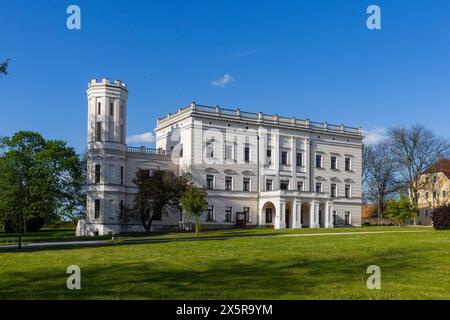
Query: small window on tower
column 97, row 209
column 111, row 108
column 99, row 108
column 97, row 173
column 98, row 131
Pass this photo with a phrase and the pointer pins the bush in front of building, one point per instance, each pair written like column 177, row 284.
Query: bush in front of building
column 441, row 217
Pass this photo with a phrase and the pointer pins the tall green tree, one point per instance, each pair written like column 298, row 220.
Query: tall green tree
column 41, row 181
column 194, row 204
column 401, row 210
column 157, row 194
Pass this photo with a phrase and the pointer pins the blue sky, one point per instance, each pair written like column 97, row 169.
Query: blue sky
column 309, row 59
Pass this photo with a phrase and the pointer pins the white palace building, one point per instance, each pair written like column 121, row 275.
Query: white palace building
column 281, row 172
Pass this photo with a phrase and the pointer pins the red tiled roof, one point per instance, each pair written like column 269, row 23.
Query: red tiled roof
column 440, row 166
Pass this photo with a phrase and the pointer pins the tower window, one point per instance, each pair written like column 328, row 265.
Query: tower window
column 299, row 159
column 247, row 153
column 121, row 175
column 284, row 156
column 98, row 131
column 97, row 208
column 122, row 134
column 97, row 173
column 111, row 108
column 99, row 108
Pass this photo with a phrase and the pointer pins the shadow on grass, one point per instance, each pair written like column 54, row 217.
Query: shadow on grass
column 289, row 276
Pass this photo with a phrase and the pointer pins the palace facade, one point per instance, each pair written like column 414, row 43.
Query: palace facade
column 280, row 172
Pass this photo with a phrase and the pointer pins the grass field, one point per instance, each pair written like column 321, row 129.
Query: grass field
column 253, row 264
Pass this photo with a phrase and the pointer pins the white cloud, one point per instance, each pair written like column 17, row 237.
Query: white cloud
column 223, row 81
column 146, row 137
column 374, row 136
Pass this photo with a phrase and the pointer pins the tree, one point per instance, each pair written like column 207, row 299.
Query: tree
column 441, row 217
column 414, row 150
column 157, row 194
column 379, row 172
column 194, row 204
column 4, row 68
column 401, row 210
column 41, row 181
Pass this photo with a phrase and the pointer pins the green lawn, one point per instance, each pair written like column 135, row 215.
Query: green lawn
column 413, row 265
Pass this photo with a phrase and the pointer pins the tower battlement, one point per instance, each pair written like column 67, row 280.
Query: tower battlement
column 105, row 81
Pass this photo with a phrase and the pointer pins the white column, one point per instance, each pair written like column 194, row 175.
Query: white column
column 327, row 214
column 280, row 212
column 297, row 214
column 316, row 213
column 312, row 216
column 330, row 224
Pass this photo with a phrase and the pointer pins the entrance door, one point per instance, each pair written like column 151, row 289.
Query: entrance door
column 288, row 220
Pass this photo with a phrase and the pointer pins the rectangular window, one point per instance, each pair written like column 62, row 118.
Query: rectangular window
column 228, row 183
column 246, row 184
column 98, row 131
column 247, row 214
column 97, row 208
column 284, row 157
column 347, row 217
column 97, row 173
column 111, row 108
column 121, row 208
column 333, row 190
column 269, row 156
column 121, row 176
column 318, row 161
column 318, row 187
column 228, row 214
column 300, row 185
column 209, row 182
column 210, row 213
column 334, row 217
column 348, row 164
column 121, row 107
column 247, row 153
column 299, row 159
column 268, row 215
column 268, row 185
column 284, row 184
column 333, row 162
column 347, row 191
column 99, row 108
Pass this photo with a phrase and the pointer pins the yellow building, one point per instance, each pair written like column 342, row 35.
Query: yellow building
column 434, row 190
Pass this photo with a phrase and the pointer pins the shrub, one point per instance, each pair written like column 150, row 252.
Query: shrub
column 441, row 217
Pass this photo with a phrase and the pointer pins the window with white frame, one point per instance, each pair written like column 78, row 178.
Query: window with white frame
column 210, row 213
column 348, row 164
column 333, row 190
column 247, row 214
column 228, row 183
column 284, row 184
column 333, row 162
column 348, row 191
column 318, row 186
column 318, row 161
column 209, row 181
column 246, row 184
column 228, row 214
column 284, row 157
column 269, row 185
column 299, row 185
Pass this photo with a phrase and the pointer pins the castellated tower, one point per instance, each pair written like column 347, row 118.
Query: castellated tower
column 106, row 191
